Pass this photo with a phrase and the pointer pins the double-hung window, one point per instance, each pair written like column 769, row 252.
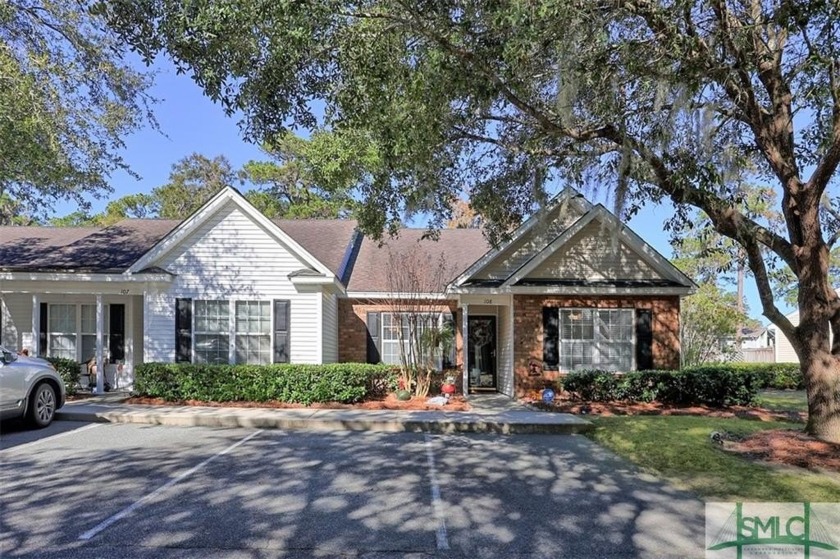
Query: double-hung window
column 253, row 332
column 404, row 336
column 212, row 331
column 225, row 331
column 62, row 332
column 596, row 339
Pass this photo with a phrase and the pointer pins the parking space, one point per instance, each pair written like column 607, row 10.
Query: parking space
column 147, row 491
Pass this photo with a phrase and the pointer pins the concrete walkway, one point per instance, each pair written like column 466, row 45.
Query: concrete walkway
column 490, row 414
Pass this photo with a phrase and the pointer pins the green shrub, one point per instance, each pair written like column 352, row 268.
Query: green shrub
column 69, row 370
column 301, row 384
column 712, row 386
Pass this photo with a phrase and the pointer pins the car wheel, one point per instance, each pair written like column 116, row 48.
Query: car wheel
column 42, row 405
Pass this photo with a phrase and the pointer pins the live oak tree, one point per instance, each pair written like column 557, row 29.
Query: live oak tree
column 651, row 99
column 68, row 97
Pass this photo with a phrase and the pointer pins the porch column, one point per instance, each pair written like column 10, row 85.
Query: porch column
column 464, row 353
column 100, row 361
column 35, row 345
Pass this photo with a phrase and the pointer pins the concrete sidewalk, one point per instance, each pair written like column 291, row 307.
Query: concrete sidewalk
column 492, row 414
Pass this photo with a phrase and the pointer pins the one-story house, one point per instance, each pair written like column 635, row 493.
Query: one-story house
column 572, row 288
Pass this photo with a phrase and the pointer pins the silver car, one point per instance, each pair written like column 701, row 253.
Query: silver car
column 29, row 388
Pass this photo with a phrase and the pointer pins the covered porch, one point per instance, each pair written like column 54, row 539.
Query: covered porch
column 95, row 320
column 486, row 326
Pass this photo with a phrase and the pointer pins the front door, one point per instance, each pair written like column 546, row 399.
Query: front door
column 481, row 353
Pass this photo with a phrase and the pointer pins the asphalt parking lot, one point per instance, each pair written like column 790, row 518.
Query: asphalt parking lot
column 80, row 490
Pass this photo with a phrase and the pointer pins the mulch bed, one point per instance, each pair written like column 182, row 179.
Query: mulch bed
column 656, row 408
column 390, row 402
column 788, row 446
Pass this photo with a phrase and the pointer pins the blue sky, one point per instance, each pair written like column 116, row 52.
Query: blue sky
column 191, row 123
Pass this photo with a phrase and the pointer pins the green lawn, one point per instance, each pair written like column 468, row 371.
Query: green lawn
column 679, row 449
column 783, row 400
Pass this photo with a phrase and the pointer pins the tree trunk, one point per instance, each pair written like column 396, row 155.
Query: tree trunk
column 822, row 376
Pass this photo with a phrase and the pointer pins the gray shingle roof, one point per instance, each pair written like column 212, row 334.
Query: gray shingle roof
column 115, row 248
column 91, row 249
column 325, row 239
column 458, row 247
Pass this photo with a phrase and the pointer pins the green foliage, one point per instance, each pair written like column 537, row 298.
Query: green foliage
column 712, row 385
column 68, row 98
column 302, row 384
column 193, row 180
column 69, row 370
column 310, row 178
column 708, row 319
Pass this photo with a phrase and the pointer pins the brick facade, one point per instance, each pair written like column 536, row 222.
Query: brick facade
column 352, row 326
column 528, row 330
column 528, row 345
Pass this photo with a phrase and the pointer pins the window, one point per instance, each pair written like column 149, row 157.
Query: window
column 88, row 332
column 596, row 339
column 61, row 331
column 253, row 332
column 402, row 334
column 212, row 332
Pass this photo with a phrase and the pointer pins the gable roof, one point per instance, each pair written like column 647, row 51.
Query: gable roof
column 670, row 274
column 568, row 201
column 207, row 211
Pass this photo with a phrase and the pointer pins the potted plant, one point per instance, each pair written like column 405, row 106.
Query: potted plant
column 448, row 387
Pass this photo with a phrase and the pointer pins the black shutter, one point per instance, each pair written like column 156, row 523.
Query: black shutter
column 42, row 330
column 183, row 330
column 551, row 338
column 116, row 337
column 282, row 320
column 644, row 339
column 374, row 343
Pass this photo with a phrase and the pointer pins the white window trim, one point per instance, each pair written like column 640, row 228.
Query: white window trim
column 382, row 339
column 560, row 339
column 78, row 330
column 231, row 331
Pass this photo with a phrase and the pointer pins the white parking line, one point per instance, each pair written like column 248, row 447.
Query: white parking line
column 139, row 503
column 437, row 503
column 30, row 444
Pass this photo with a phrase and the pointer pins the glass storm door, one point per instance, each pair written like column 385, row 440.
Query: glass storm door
column 481, row 352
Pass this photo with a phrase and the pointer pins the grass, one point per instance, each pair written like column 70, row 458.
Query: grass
column 679, row 449
column 783, row 400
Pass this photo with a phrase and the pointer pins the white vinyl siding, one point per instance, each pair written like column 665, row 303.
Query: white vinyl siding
column 231, row 257
column 504, row 339
column 594, row 253
column 329, row 328
column 17, row 321
column 526, row 247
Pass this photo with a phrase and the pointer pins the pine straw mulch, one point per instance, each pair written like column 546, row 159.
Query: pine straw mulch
column 789, row 447
column 389, row 402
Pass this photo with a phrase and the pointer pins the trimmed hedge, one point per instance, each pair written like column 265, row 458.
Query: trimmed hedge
column 300, row 384
column 687, row 387
column 716, row 385
column 69, row 370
